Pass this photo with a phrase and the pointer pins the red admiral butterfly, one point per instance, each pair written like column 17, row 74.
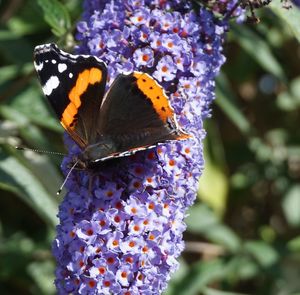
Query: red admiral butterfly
column 133, row 115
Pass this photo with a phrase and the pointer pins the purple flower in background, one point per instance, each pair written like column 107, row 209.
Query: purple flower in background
column 296, row 2
column 123, row 235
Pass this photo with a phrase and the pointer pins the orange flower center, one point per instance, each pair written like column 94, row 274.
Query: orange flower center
column 131, row 244
column 117, row 219
column 164, row 69
column 92, row 284
column 102, row 270
column 145, row 57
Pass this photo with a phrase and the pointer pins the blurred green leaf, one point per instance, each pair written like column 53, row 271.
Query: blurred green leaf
column 291, row 206
column 259, row 49
column 295, row 88
column 213, row 187
column 289, row 100
column 262, row 252
column 204, row 221
column 30, row 132
column 223, row 235
column 214, row 172
column 28, row 21
column 267, row 233
column 289, row 16
column 42, row 273
column 226, row 101
column 33, row 106
column 294, row 244
column 199, row 218
column 241, row 267
column 56, row 15
column 15, row 252
column 10, row 48
column 199, row 276
column 18, row 179
column 209, row 291
column 12, row 71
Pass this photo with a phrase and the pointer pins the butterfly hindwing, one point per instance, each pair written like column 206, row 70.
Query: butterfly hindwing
column 74, row 86
column 136, row 113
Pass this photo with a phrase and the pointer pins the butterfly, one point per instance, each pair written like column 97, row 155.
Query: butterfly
column 134, row 114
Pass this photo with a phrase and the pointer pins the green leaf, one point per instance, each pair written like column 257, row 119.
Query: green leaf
column 27, row 21
column 294, row 245
column 225, row 100
column 290, row 16
column 10, row 46
column 20, row 180
column 28, row 131
column 204, row 221
column 199, row 218
column 241, row 267
column 199, row 276
column 30, row 103
column 260, row 50
column 214, row 171
column 223, row 235
column 44, row 170
column 264, row 254
column 15, row 253
column 56, row 16
column 43, row 275
column 291, row 206
column 210, row 193
column 12, row 71
column 290, row 100
column 209, row 291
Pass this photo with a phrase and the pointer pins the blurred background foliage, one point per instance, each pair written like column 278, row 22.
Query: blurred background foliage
column 243, row 233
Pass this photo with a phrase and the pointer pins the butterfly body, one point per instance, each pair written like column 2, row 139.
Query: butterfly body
column 134, row 114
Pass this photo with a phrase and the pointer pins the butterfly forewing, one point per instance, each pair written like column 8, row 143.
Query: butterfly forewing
column 74, row 86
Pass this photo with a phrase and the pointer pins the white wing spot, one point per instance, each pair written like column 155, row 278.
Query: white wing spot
column 54, row 61
column 70, row 75
column 62, row 67
column 38, row 67
column 50, row 85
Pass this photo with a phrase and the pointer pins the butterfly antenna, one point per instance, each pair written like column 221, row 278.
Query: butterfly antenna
column 66, row 178
column 39, row 151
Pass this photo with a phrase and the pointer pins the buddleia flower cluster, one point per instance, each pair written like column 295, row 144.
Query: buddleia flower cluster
column 123, row 234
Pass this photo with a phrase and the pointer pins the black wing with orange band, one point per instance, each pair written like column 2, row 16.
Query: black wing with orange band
column 136, row 113
column 74, row 86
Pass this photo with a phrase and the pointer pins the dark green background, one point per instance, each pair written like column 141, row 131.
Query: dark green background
column 243, row 233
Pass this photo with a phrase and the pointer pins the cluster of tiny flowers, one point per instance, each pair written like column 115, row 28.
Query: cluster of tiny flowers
column 121, row 233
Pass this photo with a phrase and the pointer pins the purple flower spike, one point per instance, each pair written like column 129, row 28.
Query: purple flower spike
column 123, row 235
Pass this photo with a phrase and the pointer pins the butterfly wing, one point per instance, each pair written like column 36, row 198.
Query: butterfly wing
column 74, row 86
column 136, row 113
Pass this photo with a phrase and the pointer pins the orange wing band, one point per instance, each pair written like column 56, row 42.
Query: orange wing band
column 156, row 94
column 85, row 78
